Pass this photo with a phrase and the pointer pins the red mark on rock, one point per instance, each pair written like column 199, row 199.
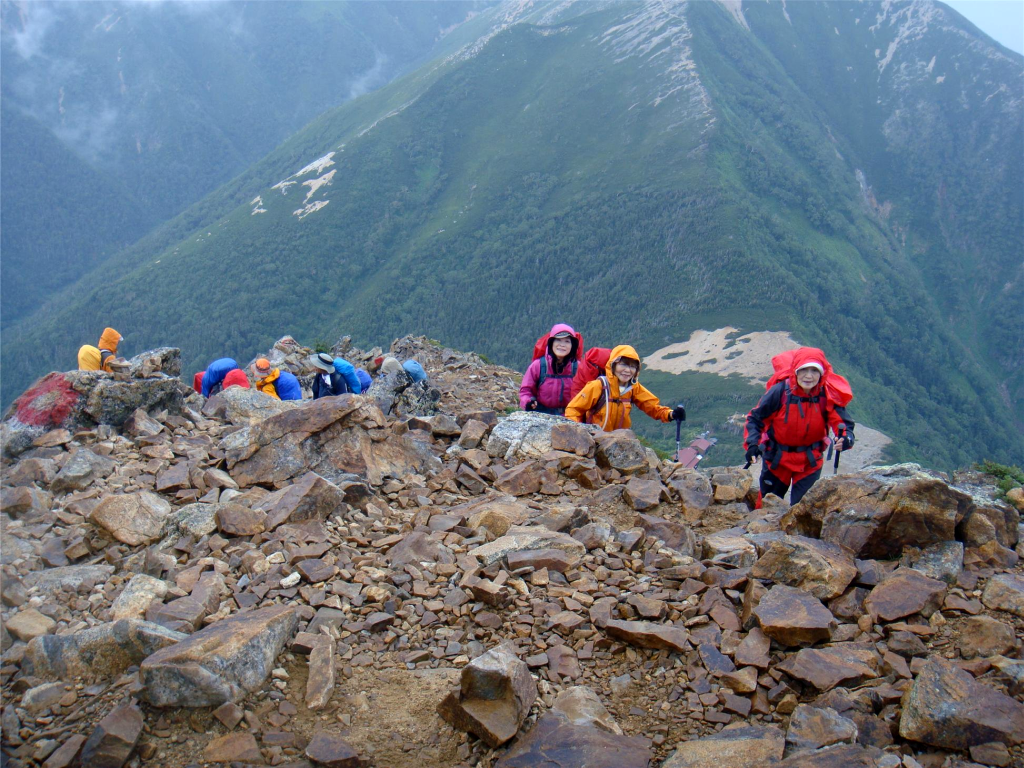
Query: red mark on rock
column 48, row 403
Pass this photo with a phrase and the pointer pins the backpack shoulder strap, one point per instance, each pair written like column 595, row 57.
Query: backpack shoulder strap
column 543, row 370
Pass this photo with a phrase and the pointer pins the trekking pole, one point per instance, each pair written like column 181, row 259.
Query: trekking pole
column 679, row 427
column 835, row 465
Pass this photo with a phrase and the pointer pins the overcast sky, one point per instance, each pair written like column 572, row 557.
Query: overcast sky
column 1003, row 20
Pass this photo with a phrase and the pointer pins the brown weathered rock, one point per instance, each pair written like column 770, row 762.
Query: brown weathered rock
column 730, row 548
column 311, row 497
column 521, row 480
column 753, row 650
column 814, row 728
column 1005, row 592
column 620, row 450
column 556, row 742
column 473, row 433
column 103, row 651
column 646, row 634
column 748, row 746
column 946, row 707
column 520, row 538
column 236, row 520
column 876, row 512
column 29, row 624
column 790, row 616
column 19, row 502
column 694, row 491
column 822, row 569
column 985, row 636
column 552, row 559
column 332, row 751
column 240, row 746
column 66, row 753
column 581, row 706
column 499, row 515
column 80, row 470
column 418, row 547
column 676, row 535
column 495, row 696
column 572, row 438
column 114, row 738
column 730, row 484
column 839, row 756
column 644, row 494
column 904, row 593
column 175, row 478
column 826, row 668
column 320, row 683
column 331, row 437
column 220, row 663
column 132, row 518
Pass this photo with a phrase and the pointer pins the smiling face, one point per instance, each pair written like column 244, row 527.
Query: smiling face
column 561, row 347
column 625, row 369
column 808, row 378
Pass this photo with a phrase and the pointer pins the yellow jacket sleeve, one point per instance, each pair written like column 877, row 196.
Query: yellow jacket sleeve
column 580, row 406
column 268, row 388
column 649, row 404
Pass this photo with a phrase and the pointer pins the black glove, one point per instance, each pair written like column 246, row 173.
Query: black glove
column 532, row 405
column 848, row 441
column 753, row 453
column 679, row 413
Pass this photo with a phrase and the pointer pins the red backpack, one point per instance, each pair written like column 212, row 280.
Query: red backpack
column 593, row 365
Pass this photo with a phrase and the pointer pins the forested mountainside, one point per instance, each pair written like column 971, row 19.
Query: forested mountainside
column 123, row 114
column 848, row 173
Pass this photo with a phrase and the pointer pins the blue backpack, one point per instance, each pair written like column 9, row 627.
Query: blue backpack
column 348, row 372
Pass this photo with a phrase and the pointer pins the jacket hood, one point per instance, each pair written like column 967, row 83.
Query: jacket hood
column 272, row 376
column 109, row 340
column 802, row 358
column 622, row 350
column 574, row 339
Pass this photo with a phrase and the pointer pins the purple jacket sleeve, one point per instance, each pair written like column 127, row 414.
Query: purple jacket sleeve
column 528, row 389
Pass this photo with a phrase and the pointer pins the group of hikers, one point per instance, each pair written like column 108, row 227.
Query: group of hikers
column 801, row 415
column 789, row 428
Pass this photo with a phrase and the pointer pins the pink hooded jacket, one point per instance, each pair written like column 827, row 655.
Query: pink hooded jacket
column 555, row 392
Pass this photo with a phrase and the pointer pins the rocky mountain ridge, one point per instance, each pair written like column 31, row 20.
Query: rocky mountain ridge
column 245, row 581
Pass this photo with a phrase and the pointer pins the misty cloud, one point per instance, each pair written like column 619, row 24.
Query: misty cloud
column 371, row 78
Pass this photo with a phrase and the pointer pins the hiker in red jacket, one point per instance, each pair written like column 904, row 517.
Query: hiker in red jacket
column 805, row 398
column 547, row 383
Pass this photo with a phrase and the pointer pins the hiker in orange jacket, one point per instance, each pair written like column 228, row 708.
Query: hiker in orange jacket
column 609, row 399
column 98, row 358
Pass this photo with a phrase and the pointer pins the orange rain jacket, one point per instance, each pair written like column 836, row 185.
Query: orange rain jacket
column 611, row 408
column 92, row 359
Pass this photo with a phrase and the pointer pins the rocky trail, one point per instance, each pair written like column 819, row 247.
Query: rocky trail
column 412, row 579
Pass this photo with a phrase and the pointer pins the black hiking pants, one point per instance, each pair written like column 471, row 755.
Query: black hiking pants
column 771, row 484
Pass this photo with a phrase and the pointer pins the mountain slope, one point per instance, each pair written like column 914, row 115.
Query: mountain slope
column 170, row 100
column 639, row 170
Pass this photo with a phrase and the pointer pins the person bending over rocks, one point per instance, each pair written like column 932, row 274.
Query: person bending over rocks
column 103, row 355
column 277, row 383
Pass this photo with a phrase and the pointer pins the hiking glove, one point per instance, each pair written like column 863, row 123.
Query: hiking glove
column 847, row 441
column 532, row 405
column 753, row 453
column 679, row 413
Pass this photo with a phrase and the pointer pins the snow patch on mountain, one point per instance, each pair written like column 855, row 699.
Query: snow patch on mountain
column 658, row 32
column 315, row 184
column 311, row 208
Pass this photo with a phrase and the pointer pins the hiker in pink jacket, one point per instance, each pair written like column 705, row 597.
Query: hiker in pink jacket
column 547, row 384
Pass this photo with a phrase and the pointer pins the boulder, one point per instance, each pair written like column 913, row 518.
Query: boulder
column 946, row 707
column 730, row 547
column 141, row 424
column 99, row 652
column 24, row 501
column 418, row 547
column 675, row 534
column 943, row 560
column 82, row 467
column 494, row 696
column 695, row 492
column 245, row 407
column 644, row 494
column 1005, row 592
column 29, row 624
column 78, row 400
column 520, row 538
column 580, row 705
column 132, row 518
column 68, row 578
column 310, row 497
column 135, row 598
column 822, row 569
column 791, row 616
column 730, row 484
column 236, row 520
column 558, row 742
column 333, row 437
column 522, row 434
column 840, row 756
column 234, row 748
column 746, row 746
column 522, row 479
column 648, row 634
column 115, row 736
column 331, row 751
column 573, row 438
column 222, row 662
column 498, row 515
column 622, row 451
column 904, row 593
column 876, row 512
column 825, row 668
column 985, row 636
column 817, row 727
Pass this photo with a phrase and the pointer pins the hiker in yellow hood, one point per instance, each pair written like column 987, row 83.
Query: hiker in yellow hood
column 608, row 399
column 98, row 358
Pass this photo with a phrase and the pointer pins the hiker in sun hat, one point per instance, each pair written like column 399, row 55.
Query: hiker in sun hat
column 789, row 427
column 328, row 380
column 274, row 382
